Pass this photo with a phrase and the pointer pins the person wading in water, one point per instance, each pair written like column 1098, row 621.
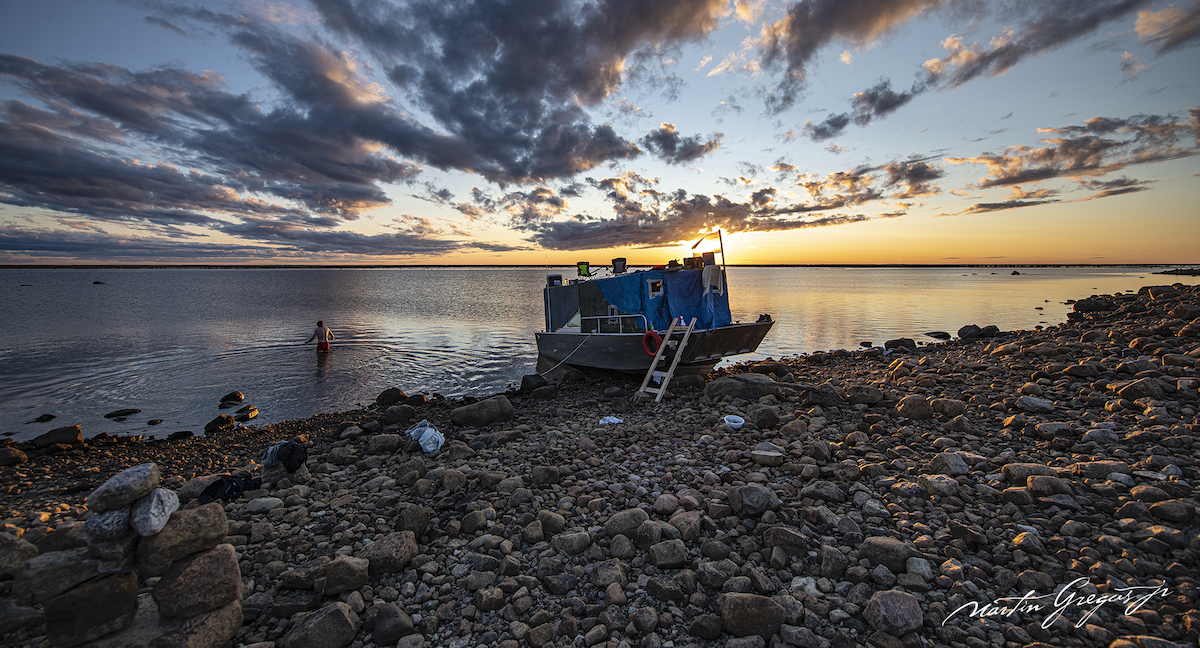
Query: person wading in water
column 323, row 336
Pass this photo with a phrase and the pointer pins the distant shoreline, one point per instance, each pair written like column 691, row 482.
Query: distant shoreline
column 1181, row 268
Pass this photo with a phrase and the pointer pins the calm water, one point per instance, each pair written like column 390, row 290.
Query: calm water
column 172, row 341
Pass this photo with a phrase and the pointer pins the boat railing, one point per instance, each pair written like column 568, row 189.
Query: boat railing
column 613, row 324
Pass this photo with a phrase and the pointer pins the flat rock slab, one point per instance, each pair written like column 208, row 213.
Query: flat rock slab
column 124, row 488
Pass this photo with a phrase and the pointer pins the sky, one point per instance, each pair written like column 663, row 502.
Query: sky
column 553, row 131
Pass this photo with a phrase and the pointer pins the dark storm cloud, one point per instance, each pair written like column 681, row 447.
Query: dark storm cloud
column 666, row 143
column 512, row 80
column 1102, row 145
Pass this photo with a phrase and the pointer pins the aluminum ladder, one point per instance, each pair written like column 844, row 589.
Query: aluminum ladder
column 659, row 356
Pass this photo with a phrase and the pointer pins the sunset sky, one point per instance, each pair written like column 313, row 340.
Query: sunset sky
column 552, row 131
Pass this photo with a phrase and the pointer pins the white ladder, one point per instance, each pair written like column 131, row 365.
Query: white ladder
column 659, row 355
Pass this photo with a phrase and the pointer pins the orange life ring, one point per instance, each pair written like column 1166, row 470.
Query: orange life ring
column 651, row 335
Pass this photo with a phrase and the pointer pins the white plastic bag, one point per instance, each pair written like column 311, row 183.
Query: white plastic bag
column 428, row 436
column 610, row 419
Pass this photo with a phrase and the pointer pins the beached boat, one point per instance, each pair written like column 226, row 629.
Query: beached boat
column 617, row 321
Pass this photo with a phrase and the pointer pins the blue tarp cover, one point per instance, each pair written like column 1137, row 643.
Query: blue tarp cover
column 682, row 295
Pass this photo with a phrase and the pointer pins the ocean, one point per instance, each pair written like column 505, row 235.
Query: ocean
column 80, row 343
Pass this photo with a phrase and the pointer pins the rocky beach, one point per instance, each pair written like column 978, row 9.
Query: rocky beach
column 1001, row 488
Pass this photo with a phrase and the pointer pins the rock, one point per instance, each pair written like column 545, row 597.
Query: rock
column 1018, row 473
column 573, row 542
column 222, row 423
column 389, row 397
column 233, row 397
column 969, row 332
column 940, row 485
column 391, row 553
column 484, row 412
column 865, row 395
column 199, row 583
column 384, row 444
column 13, row 552
column 625, row 522
column 894, row 612
column 1093, row 305
column 152, row 511
column 823, row 490
column 1100, row 469
column 669, row 554
column 188, row 531
column 532, row 382
column 887, row 551
column 948, row 407
column 333, row 626
column 12, row 456
column 914, row 406
column 900, row 343
column 1174, row 510
column 949, row 463
column 149, row 630
column 69, row 435
column 750, row 614
column 756, row 500
column 1034, row 405
column 1143, row 388
column 391, row 623
column 399, row 414
column 124, row 488
column 346, row 573
column 51, row 574
column 93, row 609
column 750, row 386
column 108, row 525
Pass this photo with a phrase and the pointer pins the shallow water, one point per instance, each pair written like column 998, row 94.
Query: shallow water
column 171, row 341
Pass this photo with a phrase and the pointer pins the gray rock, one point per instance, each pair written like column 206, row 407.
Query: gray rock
column 124, row 488
column 391, row 623
column 574, row 542
column 484, row 412
column 93, row 609
column 70, row 435
column 625, row 522
column 1018, row 474
column 10, row 456
column 149, row 630
column 885, row 550
column 333, row 626
column 756, row 500
column 940, row 485
column 914, row 406
column 13, row 552
column 383, row 444
column 750, row 386
column 1034, row 405
column 188, row 531
column 346, row 573
column 152, row 511
column 669, row 554
column 949, row 463
column 750, row 614
column 894, row 612
column 390, row 554
column 108, row 525
column 823, row 490
column 200, row 583
column 51, row 574
column 399, row 414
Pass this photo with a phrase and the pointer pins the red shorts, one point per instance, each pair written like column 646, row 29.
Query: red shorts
column 322, row 346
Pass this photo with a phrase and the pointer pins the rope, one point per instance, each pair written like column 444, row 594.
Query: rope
column 543, row 374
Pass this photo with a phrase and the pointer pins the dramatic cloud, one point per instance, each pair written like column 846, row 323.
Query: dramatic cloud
column 666, row 143
column 1170, row 28
column 1102, row 145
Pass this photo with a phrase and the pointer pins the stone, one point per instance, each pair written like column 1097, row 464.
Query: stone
column 894, row 612
column 823, row 490
column 1173, row 510
column 199, row 583
column 346, row 573
column 1143, row 388
column 333, row 626
column 484, row 412
column 108, row 525
column 940, row 485
column 949, row 463
column 750, row 386
column 1034, row 405
column 791, row 540
column 10, row 456
column 53, row 573
column 399, row 414
column 222, row 423
column 750, row 614
column 573, row 541
column 914, row 406
column 608, row 572
column 69, row 435
column 669, row 554
column 1018, row 473
column 391, row 623
column 93, row 609
column 390, row 554
column 885, row 550
column 948, row 407
column 152, row 511
column 1101, row 469
column 124, row 488
column 384, row 444
column 188, row 531
column 148, row 630
column 755, row 500
column 13, row 552
column 625, row 522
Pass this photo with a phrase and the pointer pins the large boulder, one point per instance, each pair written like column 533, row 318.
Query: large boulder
column 750, row 386
column 391, row 553
column 751, row 614
column 484, row 412
column 333, row 626
column 201, row 583
column 188, row 531
column 92, row 610
column 149, row 630
column 70, row 435
column 894, row 612
column 124, row 488
column 914, row 406
column 13, row 552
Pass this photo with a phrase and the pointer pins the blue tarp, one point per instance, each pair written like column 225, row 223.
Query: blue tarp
column 682, row 294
